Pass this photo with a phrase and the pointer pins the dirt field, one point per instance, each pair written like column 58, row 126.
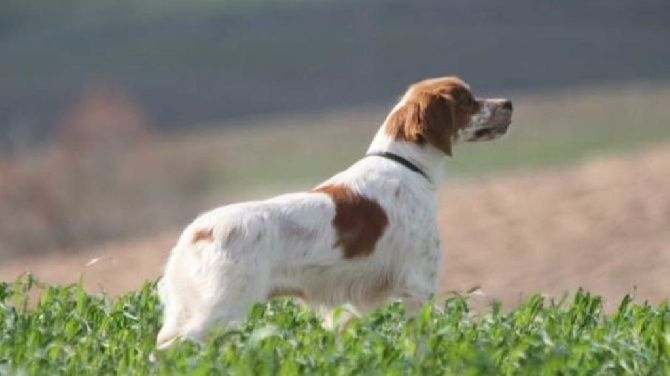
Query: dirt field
column 604, row 225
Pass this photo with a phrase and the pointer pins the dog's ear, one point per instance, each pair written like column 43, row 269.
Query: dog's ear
column 436, row 117
column 426, row 118
column 403, row 124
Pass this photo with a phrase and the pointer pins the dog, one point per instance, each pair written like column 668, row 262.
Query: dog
column 365, row 236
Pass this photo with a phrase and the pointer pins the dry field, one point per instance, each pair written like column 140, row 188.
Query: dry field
column 101, row 182
column 603, row 225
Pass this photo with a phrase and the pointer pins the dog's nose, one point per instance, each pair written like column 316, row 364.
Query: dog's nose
column 507, row 105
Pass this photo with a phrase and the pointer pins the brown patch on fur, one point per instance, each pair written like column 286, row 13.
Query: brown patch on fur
column 359, row 221
column 433, row 112
column 285, row 291
column 204, row 235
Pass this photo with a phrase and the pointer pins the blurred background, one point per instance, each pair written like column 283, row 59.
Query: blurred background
column 120, row 120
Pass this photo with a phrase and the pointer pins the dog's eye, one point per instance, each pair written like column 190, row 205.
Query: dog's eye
column 468, row 102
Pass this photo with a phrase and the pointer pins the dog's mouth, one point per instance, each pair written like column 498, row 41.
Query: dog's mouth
column 484, row 133
column 488, row 133
column 489, row 125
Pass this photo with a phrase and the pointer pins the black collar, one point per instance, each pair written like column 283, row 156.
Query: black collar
column 401, row 160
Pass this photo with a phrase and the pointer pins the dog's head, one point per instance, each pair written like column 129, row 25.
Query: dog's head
column 440, row 111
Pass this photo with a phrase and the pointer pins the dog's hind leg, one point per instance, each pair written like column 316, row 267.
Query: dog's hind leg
column 213, row 277
column 225, row 293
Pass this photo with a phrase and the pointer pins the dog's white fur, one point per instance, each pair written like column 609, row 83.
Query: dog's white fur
column 288, row 243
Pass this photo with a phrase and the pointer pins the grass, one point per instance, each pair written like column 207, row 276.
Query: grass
column 69, row 332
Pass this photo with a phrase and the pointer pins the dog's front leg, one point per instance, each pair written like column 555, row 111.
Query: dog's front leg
column 419, row 287
column 413, row 300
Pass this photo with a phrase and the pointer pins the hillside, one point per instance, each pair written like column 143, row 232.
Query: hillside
column 602, row 225
column 78, row 192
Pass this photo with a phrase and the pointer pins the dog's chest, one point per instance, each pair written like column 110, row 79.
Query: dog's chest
column 413, row 220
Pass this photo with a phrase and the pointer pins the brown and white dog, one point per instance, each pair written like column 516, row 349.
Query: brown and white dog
column 365, row 236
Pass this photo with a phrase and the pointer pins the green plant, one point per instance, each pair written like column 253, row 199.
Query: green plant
column 66, row 331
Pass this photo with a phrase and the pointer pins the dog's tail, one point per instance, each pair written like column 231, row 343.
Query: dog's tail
column 167, row 335
column 173, row 305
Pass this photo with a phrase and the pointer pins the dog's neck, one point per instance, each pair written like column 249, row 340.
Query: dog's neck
column 427, row 158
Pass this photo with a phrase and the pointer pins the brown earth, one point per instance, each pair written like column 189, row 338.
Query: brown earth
column 603, row 225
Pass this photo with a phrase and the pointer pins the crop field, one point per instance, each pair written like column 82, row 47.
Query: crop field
column 63, row 330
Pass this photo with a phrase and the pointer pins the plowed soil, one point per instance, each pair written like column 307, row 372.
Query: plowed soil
column 603, row 225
